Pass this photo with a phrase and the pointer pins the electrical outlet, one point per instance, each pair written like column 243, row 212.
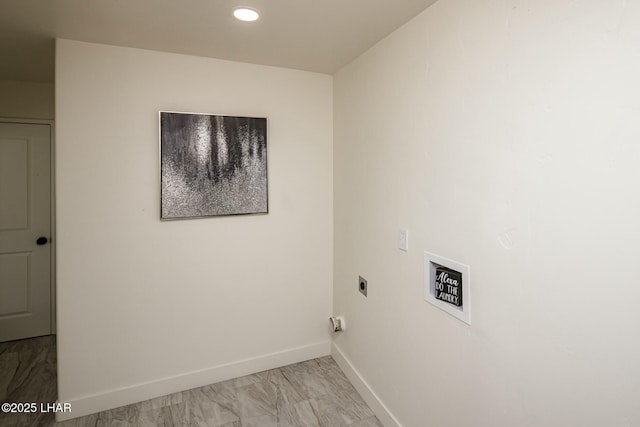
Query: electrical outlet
column 362, row 285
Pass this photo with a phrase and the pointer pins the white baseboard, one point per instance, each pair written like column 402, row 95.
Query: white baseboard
column 139, row 392
column 370, row 397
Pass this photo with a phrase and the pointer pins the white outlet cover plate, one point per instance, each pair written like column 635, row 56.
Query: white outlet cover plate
column 403, row 239
column 431, row 262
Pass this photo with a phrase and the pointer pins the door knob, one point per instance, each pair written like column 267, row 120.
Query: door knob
column 41, row 241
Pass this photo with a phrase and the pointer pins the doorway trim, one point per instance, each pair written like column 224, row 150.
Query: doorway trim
column 53, row 290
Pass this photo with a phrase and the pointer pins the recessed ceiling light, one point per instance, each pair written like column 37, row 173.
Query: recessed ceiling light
column 246, row 14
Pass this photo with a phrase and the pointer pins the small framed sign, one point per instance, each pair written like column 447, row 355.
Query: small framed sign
column 446, row 285
column 449, row 286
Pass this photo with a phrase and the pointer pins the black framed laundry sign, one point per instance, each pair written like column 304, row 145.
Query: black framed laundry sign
column 448, row 286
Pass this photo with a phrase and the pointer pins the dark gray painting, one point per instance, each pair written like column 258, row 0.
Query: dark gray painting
column 212, row 165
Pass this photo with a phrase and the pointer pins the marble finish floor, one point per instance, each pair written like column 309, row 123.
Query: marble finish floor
column 28, row 374
column 312, row 393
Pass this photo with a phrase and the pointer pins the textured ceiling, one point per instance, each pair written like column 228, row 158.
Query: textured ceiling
column 311, row 35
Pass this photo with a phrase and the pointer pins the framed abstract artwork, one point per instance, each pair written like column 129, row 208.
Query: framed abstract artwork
column 212, row 165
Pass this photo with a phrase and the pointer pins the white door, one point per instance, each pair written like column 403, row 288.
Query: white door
column 25, row 230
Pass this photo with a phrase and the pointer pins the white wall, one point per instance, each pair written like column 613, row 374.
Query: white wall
column 503, row 134
column 27, row 100
column 148, row 307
